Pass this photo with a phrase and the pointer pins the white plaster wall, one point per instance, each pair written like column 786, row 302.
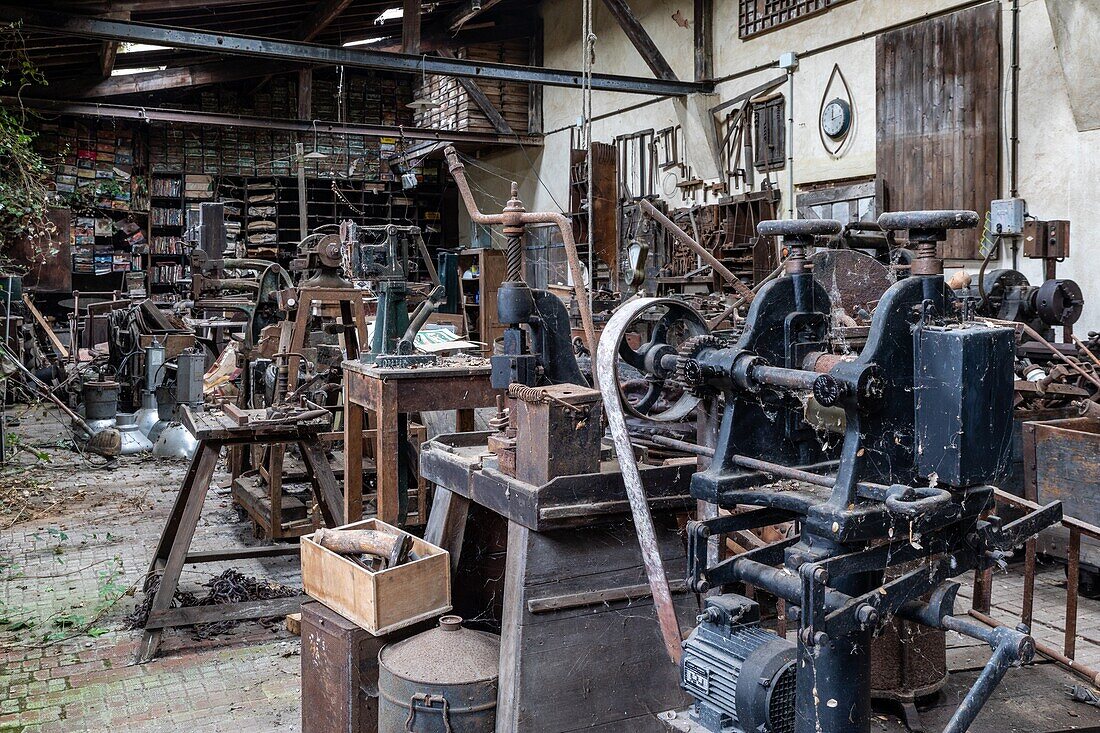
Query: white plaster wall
column 1059, row 166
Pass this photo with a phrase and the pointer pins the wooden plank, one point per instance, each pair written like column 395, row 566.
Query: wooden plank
column 596, row 598
column 704, row 40
column 191, row 615
column 204, row 556
column 305, row 94
column 638, row 36
column 171, row 78
column 45, row 326
column 410, row 27
column 938, row 117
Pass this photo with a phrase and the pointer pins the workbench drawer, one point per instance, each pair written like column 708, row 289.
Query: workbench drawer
column 384, row 601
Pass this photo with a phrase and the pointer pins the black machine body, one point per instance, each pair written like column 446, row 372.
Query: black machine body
column 927, row 415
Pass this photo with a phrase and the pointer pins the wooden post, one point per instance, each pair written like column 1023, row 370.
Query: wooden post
column 704, row 39
column 410, row 27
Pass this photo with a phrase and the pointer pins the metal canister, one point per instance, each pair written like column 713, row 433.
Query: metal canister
column 100, row 400
column 441, row 681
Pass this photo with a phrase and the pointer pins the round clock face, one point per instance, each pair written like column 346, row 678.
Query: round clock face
column 836, row 119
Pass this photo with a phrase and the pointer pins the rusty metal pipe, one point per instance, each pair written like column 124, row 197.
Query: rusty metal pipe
column 458, row 172
column 683, row 238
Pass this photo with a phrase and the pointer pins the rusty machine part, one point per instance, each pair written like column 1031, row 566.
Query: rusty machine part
column 854, row 281
column 921, row 360
column 441, row 681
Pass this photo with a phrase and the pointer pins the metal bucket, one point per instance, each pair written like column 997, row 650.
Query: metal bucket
column 441, row 681
column 100, row 400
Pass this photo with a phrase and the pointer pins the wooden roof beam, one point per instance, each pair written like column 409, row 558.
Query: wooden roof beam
column 172, row 78
column 641, row 40
column 108, row 52
column 322, row 17
column 469, row 10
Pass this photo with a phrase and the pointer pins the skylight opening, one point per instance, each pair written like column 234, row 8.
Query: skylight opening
column 138, row 70
column 138, row 47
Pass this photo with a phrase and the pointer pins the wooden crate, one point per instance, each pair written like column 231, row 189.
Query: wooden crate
column 385, row 601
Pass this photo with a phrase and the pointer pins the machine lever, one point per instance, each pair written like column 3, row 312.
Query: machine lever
column 1014, row 533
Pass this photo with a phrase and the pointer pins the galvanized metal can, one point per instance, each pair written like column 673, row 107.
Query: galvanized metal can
column 441, row 681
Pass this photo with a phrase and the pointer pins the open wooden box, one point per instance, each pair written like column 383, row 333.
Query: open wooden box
column 384, row 601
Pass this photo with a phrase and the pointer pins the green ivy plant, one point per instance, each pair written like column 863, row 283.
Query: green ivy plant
column 24, row 176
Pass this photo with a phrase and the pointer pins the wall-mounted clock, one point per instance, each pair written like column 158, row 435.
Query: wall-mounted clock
column 836, row 119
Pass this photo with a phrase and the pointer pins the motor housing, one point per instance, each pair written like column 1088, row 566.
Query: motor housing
column 741, row 675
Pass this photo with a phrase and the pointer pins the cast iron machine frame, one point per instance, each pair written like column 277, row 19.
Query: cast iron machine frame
column 927, row 415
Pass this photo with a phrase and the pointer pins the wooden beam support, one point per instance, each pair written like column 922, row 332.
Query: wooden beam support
column 305, row 94
column 640, row 38
column 155, row 81
column 704, row 40
column 478, row 96
column 468, row 12
column 109, row 51
column 322, row 17
column 410, row 27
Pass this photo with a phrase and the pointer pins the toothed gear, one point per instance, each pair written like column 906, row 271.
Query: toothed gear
column 688, row 373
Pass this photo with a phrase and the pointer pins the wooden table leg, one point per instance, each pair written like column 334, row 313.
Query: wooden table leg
column 275, row 488
column 353, row 458
column 464, row 421
column 387, row 460
column 447, row 523
column 181, row 534
column 171, row 526
column 323, row 481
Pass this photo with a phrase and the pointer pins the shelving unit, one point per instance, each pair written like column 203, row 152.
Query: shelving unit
column 479, row 294
column 166, row 224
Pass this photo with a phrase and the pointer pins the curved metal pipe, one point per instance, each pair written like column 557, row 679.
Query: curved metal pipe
column 458, row 172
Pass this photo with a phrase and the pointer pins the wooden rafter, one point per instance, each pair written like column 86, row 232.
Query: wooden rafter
column 172, row 78
column 638, row 36
column 322, row 17
column 469, row 10
column 410, row 27
column 108, row 52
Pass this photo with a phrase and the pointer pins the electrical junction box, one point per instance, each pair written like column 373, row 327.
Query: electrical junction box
column 788, row 61
column 1006, row 217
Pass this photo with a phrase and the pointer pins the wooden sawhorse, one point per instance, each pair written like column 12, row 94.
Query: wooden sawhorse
column 215, row 431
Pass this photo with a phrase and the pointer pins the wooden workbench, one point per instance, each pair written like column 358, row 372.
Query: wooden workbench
column 390, row 394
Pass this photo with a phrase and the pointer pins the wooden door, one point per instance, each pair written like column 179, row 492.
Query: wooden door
column 939, row 117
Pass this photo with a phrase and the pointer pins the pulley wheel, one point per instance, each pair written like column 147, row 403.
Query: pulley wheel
column 673, row 323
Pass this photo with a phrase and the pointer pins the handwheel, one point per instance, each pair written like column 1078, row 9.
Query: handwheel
column 674, row 323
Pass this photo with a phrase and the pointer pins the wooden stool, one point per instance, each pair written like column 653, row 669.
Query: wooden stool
column 215, row 431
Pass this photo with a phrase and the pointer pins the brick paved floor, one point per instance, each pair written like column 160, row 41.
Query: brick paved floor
column 74, row 537
column 84, row 541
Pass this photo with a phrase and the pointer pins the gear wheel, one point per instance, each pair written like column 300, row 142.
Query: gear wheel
column 688, row 373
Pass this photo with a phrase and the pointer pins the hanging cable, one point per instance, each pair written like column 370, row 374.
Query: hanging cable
column 588, row 62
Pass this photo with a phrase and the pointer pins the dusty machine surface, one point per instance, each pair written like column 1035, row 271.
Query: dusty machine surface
column 923, row 418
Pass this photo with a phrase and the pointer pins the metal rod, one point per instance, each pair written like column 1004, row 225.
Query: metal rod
column 699, row 450
column 458, row 172
column 1092, row 676
column 683, row 238
column 185, row 117
column 58, row 23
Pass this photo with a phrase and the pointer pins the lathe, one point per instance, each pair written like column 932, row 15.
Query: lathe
column 887, row 514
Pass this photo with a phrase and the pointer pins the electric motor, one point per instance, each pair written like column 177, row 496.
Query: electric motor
column 741, row 675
